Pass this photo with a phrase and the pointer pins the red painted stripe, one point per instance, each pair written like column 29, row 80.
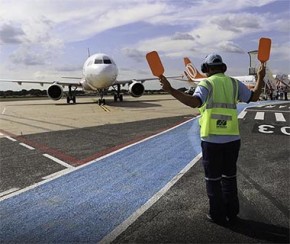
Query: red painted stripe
column 44, row 149
column 77, row 162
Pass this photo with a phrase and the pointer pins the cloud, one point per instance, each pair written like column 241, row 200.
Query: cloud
column 182, row 36
column 25, row 56
column 230, row 47
column 34, row 55
column 69, row 68
column 136, row 54
column 237, row 23
column 33, row 41
column 41, row 31
column 10, row 34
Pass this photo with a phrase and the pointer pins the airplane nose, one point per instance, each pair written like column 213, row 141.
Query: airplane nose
column 101, row 77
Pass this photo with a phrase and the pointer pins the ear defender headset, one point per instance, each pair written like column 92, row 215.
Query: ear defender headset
column 204, row 68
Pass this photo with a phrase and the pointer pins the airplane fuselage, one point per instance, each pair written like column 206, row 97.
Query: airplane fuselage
column 99, row 72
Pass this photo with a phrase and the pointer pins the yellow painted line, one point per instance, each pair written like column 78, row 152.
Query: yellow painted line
column 105, row 108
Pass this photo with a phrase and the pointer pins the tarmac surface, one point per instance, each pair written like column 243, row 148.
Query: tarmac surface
column 86, row 174
column 263, row 181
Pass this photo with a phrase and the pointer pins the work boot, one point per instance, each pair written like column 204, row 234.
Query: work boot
column 222, row 222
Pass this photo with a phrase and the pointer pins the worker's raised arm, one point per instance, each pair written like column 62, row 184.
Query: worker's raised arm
column 186, row 99
column 259, row 83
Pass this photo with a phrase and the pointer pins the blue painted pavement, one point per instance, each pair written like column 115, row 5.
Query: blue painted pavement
column 88, row 203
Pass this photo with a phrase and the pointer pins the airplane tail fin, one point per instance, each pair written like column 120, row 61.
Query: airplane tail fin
column 191, row 72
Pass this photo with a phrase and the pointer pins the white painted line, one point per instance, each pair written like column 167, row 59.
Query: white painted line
column 123, row 226
column 4, row 193
column 259, row 116
column 58, row 161
column 15, row 193
column 62, row 172
column 89, row 163
column 10, row 138
column 27, row 146
column 280, row 117
column 268, row 110
column 242, row 114
column 3, row 112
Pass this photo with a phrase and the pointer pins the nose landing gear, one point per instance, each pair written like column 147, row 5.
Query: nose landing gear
column 101, row 101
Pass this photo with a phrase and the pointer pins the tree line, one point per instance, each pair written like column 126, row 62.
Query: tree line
column 28, row 93
column 43, row 93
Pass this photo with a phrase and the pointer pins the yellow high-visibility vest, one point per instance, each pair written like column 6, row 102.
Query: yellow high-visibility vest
column 219, row 112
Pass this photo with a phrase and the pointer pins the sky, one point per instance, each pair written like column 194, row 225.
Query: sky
column 48, row 39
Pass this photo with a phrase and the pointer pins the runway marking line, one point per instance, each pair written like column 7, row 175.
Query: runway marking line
column 125, row 224
column 259, row 116
column 58, row 161
column 280, row 117
column 105, row 108
column 64, row 171
column 268, row 110
column 149, row 203
column 27, row 146
column 78, row 162
column 72, row 169
column 10, row 138
column 43, row 148
column 126, row 144
column 8, row 191
column 242, row 114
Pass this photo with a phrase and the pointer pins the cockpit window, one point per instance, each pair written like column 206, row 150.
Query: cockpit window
column 107, row 60
column 98, row 61
column 104, row 60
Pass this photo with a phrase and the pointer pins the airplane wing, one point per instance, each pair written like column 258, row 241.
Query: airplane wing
column 123, row 82
column 40, row 82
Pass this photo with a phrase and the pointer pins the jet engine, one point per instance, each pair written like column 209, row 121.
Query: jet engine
column 136, row 89
column 55, row 92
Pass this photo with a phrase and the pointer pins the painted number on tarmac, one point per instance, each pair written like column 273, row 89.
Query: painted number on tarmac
column 271, row 129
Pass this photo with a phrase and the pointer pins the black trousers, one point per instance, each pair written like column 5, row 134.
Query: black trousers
column 220, row 167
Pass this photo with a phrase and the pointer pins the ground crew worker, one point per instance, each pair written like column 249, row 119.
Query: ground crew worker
column 216, row 97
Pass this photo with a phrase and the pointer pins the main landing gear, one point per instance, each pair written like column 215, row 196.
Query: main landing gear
column 71, row 95
column 118, row 95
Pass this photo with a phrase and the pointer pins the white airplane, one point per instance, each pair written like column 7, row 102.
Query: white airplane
column 272, row 82
column 194, row 76
column 99, row 73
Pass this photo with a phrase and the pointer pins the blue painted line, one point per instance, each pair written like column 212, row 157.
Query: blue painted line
column 87, row 204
